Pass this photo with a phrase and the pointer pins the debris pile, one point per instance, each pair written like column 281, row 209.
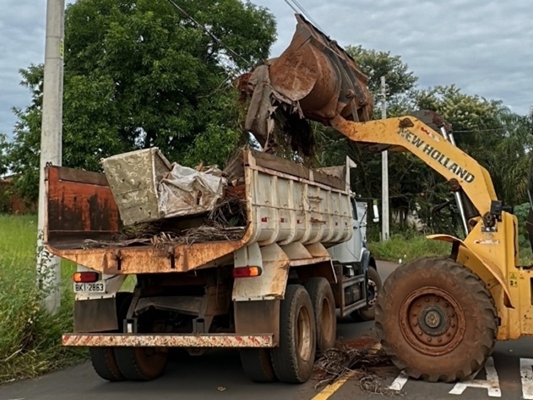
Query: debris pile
column 164, row 204
column 358, row 363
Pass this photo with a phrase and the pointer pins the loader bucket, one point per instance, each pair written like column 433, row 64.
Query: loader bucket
column 313, row 78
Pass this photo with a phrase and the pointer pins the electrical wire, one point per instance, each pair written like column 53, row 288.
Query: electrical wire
column 208, row 32
column 304, row 12
column 291, row 6
column 298, row 8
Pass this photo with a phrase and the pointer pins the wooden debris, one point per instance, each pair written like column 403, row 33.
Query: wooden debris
column 335, row 363
column 227, row 221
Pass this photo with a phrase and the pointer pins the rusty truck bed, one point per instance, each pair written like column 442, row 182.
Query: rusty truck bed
column 80, row 207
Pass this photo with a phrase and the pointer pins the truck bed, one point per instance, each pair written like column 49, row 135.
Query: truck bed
column 285, row 203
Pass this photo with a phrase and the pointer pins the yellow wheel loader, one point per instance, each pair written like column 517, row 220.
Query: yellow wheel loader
column 437, row 318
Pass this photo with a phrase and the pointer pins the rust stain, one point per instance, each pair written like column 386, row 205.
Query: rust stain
column 362, row 342
column 77, row 208
column 139, row 260
column 168, row 340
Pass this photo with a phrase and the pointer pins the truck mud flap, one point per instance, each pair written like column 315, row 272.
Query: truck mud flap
column 168, row 340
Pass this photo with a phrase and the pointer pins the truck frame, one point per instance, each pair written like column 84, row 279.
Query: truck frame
column 274, row 294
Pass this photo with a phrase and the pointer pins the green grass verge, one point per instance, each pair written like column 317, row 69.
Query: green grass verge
column 406, row 249
column 30, row 339
column 410, row 248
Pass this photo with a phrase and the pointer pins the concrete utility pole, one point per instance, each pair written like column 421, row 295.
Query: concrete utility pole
column 48, row 266
column 385, row 233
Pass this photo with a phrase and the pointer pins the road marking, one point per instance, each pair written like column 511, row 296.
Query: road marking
column 526, row 374
column 492, row 384
column 329, row 390
column 399, row 382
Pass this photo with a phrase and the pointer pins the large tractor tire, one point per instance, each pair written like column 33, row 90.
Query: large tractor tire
column 103, row 358
column 436, row 320
column 323, row 302
column 294, row 358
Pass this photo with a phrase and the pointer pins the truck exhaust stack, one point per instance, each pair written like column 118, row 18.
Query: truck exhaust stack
column 314, row 78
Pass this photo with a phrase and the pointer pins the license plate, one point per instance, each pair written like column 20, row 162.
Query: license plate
column 93, row 287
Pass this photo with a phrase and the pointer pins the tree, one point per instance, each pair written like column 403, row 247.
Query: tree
column 375, row 64
column 139, row 73
column 4, row 145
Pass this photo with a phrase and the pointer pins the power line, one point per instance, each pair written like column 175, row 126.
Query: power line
column 291, row 6
column 208, row 32
column 303, row 11
column 307, row 14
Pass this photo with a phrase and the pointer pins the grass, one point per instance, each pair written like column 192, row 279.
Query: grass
column 30, row 339
column 400, row 248
column 406, row 249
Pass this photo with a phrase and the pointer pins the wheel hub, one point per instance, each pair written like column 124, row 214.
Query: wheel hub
column 371, row 290
column 432, row 321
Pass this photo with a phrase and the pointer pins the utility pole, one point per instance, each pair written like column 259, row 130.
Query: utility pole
column 384, row 171
column 48, row 266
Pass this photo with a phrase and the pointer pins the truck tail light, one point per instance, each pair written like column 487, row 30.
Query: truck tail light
column 85, row 277
column 247, row 272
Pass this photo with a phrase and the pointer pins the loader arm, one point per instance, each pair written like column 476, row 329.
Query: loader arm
column 412, row 135
column 490, row 246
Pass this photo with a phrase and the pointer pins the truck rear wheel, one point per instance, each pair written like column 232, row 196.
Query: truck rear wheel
column 257, row 365
column 436, row 320
column 323, row 302
column 374, row 286
column 103, row 358
column 105, row 364
column 141, row 363
column 294, row 358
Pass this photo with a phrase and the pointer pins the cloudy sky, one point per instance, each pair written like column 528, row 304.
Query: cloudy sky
column 485, row 47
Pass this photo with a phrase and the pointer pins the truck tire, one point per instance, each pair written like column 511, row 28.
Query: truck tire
column 103, row 358
column 294, row 358
column 141, row 363
column 323, row 302
column 105, row 364
column 257, row 365
column 436, row 320
column 374, row 286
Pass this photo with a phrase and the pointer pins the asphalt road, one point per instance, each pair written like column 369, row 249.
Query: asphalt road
column 218, row 375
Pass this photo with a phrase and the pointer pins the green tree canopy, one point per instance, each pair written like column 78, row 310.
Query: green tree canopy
column 139, row 73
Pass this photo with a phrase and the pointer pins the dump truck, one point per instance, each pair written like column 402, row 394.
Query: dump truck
column 271, row 287
column 438, row 318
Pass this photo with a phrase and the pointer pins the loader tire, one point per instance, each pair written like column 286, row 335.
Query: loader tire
column 257, row 365
column 323, row 302
column 103, row 358
column 374, row 286
column 294, row 358
column 436, row 320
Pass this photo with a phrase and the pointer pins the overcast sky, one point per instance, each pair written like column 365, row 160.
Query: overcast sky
column 485, row 47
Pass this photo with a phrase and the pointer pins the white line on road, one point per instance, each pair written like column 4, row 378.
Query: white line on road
column 526, row 374
column 399, row 382
column 492, row 384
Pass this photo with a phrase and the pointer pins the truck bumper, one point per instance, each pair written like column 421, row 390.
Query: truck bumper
column 168, row 340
